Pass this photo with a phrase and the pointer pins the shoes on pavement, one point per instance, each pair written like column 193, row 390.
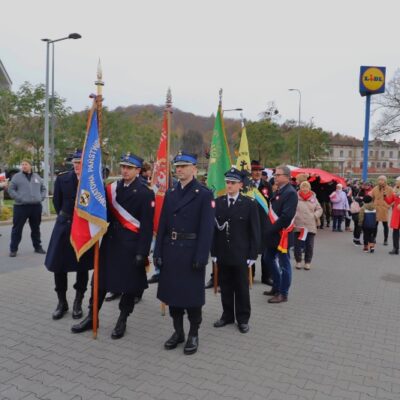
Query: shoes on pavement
column 307, row 266
column 394, row 251
column 385, row 242
column 365, row 250
column 13, row 254
column 191, row 345
column 174, row 340
column 243, row 328
column 112, row 296
column 278, row 299
column 272, row 292
column 298, row 265
column 40, row 250
column 85, row 325
column 221, row 322
column 356, row 242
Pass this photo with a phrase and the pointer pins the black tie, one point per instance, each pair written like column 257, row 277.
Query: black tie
column 231, row 201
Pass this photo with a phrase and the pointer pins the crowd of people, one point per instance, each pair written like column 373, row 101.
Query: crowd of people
column 234, row 229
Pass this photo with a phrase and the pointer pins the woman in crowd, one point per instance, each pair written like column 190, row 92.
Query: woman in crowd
column 340, row 206
column 394, row 200
column 306, row 222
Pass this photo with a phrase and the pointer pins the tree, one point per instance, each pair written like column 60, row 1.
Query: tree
column 192, row 141
column 388, row 104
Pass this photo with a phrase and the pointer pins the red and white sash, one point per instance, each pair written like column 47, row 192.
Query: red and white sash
column 127, row 220
column 284, row 232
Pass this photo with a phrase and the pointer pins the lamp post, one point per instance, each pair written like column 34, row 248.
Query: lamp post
column 298, row 133
column 46, row 114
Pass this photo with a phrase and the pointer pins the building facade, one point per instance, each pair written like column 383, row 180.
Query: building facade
column 347, row 154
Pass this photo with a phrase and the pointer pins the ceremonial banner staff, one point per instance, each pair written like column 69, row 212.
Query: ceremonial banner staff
column 89, row 221
column 162, row 170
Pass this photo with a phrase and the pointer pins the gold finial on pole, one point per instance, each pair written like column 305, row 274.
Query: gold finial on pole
column 220, row 97
column 99, row 83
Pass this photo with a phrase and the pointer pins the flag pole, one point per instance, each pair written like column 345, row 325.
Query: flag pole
column 98, row 99
column 168, row 110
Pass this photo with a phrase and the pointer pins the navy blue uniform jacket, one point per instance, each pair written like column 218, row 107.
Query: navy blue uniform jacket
column 60, row 255
column 284, row 203
column 188, row 210
column 241, row 241
column 119, row 247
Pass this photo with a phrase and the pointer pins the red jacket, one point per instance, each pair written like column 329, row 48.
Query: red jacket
column 395, row 200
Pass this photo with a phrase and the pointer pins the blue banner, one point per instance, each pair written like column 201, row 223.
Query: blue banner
column 92, row 199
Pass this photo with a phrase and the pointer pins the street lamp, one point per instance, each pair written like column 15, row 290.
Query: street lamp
column 46, row 114
column 298, row 133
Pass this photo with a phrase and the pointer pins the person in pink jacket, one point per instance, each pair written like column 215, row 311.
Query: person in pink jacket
column 340, row 206
column 393, row 199
column 307, row 219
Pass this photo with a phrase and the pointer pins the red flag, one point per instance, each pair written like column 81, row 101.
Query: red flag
column 160, row 177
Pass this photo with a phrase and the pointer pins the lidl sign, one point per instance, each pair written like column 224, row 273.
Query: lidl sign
column 372, row 80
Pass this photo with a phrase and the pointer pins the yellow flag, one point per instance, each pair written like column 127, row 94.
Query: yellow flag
column 243, row 160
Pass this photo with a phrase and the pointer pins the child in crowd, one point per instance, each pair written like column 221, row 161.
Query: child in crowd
column 367, row 220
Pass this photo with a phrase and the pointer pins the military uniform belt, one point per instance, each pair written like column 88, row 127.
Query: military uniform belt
column 183, row 236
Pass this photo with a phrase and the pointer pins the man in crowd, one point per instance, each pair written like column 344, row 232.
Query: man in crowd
column 182, row 248
column 126, row 245
column 61, row 257
column 378, row 194
column 235, row 247
column 28, row 191
column 278, row 227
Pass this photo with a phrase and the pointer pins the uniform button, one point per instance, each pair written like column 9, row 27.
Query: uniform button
column 174, row 215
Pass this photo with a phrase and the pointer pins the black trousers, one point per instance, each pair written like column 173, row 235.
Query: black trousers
column 61, row 281
column 235, row 293
column 385, row 229
column 357, row 227
column 369, row 236
column 32, row 213
column 194, row 317
column 126, row 302
column 396, row 239
column 308, row 247
column 326, row 207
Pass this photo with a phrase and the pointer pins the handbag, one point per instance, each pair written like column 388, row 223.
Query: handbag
column 354, row 207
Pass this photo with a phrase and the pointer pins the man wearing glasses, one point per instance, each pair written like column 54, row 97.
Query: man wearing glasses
column 279, row 224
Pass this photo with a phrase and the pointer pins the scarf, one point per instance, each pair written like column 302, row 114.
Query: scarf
column 305, row 196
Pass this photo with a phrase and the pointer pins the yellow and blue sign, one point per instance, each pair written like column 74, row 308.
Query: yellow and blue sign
column 372, row 80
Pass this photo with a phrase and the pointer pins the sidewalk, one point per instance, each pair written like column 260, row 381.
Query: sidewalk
column 338, row 337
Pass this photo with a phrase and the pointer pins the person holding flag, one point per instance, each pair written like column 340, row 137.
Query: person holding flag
column 182, row 248
column 60, row 257
column 126, row 245
column 235, row 246
column 279, row 225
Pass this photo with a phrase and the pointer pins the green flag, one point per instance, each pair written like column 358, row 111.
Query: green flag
column 220, row 159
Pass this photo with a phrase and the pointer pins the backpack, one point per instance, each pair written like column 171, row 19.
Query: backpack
column 354, row 207
column 369, row 219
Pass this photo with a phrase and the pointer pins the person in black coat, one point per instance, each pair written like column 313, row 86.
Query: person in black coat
column 278, row 227
column 265, row 189
column 182, row 249
column 60, row 257
column 126, row 245
column 235, row 247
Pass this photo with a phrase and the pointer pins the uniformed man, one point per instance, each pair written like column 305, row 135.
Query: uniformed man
column 235, row 245
column 182, row 248
column 61, row 258
column 126, row 245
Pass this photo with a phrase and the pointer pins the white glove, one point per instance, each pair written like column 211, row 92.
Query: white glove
column 214, row 259
column 250, row 263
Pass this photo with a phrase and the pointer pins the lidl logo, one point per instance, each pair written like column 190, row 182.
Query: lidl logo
column 372, row 80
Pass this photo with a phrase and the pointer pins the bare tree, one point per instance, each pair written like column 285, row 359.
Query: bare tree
column 388, row 107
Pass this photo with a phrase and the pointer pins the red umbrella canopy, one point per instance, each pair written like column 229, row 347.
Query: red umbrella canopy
column 325, row 176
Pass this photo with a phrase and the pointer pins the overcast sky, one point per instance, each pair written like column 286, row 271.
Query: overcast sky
column 254, row 49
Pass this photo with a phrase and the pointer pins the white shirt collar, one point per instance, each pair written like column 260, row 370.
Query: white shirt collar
column 233, row 197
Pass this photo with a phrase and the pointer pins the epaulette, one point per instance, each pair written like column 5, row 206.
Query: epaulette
column 63, row 173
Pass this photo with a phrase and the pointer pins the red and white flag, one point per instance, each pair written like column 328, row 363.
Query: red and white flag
column 303, row 233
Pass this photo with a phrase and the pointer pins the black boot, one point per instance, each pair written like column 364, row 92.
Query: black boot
column 120, row 327
column 85, row 325
column 62, row 306
column 178, row 336
column 77, row 307
column 191, row 345
column 394, row 251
